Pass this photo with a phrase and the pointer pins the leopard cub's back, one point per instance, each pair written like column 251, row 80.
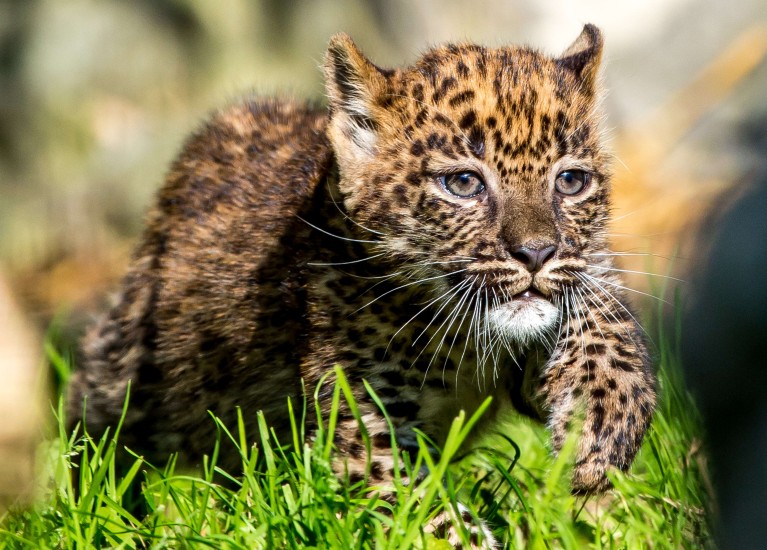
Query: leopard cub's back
column 211, row 298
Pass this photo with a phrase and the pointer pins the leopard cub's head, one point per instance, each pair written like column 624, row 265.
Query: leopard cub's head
column 478, row 171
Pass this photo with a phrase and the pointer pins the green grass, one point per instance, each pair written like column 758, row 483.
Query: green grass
column 289, row 497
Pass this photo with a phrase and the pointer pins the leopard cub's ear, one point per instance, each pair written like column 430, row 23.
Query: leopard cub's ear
column 583, row 57
column 353, row 85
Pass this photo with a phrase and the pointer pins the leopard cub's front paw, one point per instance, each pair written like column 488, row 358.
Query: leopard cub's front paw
column 590, row 477
column 444, row 526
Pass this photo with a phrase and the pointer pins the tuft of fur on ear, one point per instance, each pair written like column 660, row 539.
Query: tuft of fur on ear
column 352, row 84
column 583, row 56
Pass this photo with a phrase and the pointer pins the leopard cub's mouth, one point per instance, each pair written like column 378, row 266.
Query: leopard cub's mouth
column 530, row 293
column 528, row 316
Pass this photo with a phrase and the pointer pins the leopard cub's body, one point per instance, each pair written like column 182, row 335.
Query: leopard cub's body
column 441, row 234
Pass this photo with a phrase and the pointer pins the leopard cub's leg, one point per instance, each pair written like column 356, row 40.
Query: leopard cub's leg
column 602, row 364
column 378, row 469
column 444, row 527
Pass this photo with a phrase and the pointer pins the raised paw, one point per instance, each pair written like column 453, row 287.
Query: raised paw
column 589, row 477
column 612, row 381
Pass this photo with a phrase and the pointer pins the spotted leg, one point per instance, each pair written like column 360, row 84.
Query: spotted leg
column 378, row 468
column 601, row 365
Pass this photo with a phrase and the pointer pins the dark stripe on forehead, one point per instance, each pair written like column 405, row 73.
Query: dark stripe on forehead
column 477, row 141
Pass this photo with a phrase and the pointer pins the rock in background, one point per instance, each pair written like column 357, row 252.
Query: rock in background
column 20, row 400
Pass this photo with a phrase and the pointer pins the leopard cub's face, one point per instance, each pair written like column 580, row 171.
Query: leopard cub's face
column 479, row 172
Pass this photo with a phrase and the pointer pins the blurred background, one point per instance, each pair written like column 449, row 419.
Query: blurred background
column 96, row 97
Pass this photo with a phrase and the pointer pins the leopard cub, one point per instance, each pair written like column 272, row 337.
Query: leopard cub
column 439, row 231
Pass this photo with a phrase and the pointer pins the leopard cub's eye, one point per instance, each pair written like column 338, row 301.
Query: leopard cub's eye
column 572, row 182
column 463, row 184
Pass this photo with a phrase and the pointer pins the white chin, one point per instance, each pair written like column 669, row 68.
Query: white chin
column 523, row 321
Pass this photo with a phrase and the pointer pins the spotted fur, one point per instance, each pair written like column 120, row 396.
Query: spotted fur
column 288, row 239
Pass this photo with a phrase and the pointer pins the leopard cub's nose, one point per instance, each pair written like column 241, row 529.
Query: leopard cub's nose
column 533, row 258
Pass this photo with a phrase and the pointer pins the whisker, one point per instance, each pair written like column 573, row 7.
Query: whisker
column 567, row 316
column 453, row 316
column 588, row 286
column 483, row 334
column 555, row 334
column 636, row 272
column 474, row 310
column 478, row 329
column 382, row 281
column 548, row 337
column 416, row 315
column 616, row 300
column 443, row 263
column 431, row 254
column 627, row 288
column 590, row 312
column 499, row 336
column 337, row 236
column 347, row 263
column 456, row 290
column 460, row 287
column 576, row 309
column 643, row 235
column 370, row 277
column 618, row 218
column 405, row 286
column 466, row 294
column 346, row 216
column 628, row 312
column 648, row 254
